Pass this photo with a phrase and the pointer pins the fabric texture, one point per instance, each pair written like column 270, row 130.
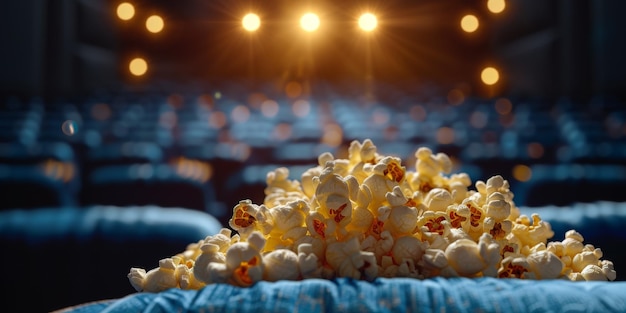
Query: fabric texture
column 382, row 295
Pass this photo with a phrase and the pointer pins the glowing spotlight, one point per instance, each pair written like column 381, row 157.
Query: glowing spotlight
column 310, row 22
column 368, row 22
column 489, row 76
column 155, row 24
column 251, row 22
column 496, row 6
column 138, row 66
column 469, row 23
column 125, row 11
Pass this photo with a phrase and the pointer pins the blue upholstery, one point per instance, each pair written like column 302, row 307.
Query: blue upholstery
column 382, row 295
column 565, row 184
column 74, row 255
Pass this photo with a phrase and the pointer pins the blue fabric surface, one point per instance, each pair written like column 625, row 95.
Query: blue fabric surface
column 382, row 295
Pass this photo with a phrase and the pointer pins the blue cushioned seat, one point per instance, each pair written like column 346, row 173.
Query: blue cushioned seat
column 565, row 184
column 50, row 183
column 151, row 184
column 70, row 255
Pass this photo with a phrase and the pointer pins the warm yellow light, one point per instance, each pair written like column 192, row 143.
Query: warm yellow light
column 469, row 23
column 496, row 6
column 251, row 22
column 489, row 75
column 368, row 22
column 125, row 11
column 293, row 89
column 155, row 24
column 138, row 67
column 522, row 172
column 310, row 22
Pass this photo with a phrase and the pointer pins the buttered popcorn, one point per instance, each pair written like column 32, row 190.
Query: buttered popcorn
column 368, row 216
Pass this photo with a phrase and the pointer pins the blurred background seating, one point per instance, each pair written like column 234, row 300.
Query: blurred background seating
column 557, row 153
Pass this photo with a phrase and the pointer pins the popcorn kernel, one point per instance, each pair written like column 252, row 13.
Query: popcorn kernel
column 369, row 216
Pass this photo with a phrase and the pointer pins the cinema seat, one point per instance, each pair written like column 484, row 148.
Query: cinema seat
column 164, row 185
column 71, row 255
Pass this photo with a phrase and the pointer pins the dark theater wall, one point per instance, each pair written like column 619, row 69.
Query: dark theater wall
column 545, row 48
column 23, row 44
column 562, row 48
column 57, row 47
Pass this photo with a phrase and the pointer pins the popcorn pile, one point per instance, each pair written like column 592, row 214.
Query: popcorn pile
column 367, row 217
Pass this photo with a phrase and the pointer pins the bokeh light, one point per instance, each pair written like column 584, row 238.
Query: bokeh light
column 368, row 22
column 469, row 23
column 301, row 108
column 503, row 106
column 217, row 119
column 125, row 11
column 176, row 101
column 333, row 135
column 478, row 119
column 251, row 22
column 535, row 150
column 61, row 171
column 168, row 120
column 138, row 66
column 269, row 108
column 310, row 22
column 489, row 76
column 282, row 132
column 418, row 113
column 193, row 169
column 456, row 97
column 293, row 89
column 101, row 111
column 155, row 24
column 380, row 117
column 522, row 173
column 496, row 6
column 69, row 127
column 240, row 114
column 445, row 135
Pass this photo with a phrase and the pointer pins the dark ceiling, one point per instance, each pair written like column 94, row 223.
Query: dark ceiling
column 542, row 47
